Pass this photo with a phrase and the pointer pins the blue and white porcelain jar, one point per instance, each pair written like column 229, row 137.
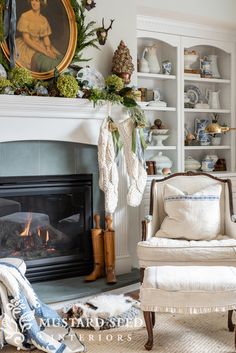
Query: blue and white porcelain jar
column 166, row 67
column 208, row 164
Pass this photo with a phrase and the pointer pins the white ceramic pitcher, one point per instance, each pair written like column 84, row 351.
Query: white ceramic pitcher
column 143, row 66
column 151, row 57
column 214, row 68
column 213, row 99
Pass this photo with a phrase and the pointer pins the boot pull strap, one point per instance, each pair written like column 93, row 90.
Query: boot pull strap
column 97, row 221
column 109, row 222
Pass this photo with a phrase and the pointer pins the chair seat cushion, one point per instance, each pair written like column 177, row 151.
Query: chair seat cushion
column 188, row 289
column 191, row 278
column 168, row 250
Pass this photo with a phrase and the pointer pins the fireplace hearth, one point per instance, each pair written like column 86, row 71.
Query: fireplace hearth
column 47, row 221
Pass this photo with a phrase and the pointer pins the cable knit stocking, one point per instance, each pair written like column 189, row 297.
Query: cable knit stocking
column 108, row 174
column 135, row 169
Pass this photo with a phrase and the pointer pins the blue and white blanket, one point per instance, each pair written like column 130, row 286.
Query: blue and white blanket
column 24, row 319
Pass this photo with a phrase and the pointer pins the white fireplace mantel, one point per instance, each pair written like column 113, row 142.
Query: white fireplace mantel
column 49, row 118
column 24, row 118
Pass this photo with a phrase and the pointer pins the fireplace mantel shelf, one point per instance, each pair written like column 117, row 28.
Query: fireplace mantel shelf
column 50, row 118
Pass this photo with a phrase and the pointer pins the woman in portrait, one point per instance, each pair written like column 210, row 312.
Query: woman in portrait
column 34, row 49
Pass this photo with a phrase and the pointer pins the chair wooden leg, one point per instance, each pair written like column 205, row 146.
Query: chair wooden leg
column 230, row 322
column 235, row 339
column 148, row 321
column 153, row 318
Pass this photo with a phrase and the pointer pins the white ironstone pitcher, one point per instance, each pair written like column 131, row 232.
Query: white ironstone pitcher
column 213, row 99
column 151, row 57
column 214, row 68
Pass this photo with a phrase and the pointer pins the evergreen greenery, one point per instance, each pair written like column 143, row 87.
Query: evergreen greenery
column 86, row 36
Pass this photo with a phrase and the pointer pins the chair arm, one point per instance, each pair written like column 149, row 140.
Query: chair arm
column 231, row 226
column 146, row 228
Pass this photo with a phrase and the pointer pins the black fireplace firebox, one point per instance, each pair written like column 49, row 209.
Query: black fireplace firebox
column 47, row 221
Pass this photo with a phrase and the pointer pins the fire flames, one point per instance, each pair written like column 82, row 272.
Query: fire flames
column 27, row 233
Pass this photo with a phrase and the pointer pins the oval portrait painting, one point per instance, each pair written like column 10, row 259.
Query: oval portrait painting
column 46, row 36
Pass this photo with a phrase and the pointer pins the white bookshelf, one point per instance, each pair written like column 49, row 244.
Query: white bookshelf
column 171, row 44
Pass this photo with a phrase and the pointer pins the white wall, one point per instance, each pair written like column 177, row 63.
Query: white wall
column 213, row 12
column 124, row 28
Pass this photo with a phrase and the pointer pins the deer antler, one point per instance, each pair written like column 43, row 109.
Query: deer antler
column 103, row 25
column 110, row 25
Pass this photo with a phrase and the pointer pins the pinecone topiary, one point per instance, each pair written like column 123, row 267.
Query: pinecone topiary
column 122, row 64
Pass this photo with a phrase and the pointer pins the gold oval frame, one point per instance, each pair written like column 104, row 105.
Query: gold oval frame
column 70, row 50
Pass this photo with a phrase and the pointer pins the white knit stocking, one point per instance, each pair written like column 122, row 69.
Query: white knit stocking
column 108, row 173
column 135, row 169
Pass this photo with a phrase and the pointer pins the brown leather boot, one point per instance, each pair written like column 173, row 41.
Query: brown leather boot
column 98, row 252
column 109, row 250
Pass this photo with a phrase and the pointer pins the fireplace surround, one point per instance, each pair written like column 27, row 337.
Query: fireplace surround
column 47, row 221
column 77, row 121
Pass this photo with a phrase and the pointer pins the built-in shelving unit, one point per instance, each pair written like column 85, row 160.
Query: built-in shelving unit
column 175, row 116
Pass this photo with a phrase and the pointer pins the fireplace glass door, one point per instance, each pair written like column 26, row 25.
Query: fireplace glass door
column 47, row 222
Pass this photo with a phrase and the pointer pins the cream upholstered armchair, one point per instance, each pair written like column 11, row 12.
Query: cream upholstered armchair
column 155, row 251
